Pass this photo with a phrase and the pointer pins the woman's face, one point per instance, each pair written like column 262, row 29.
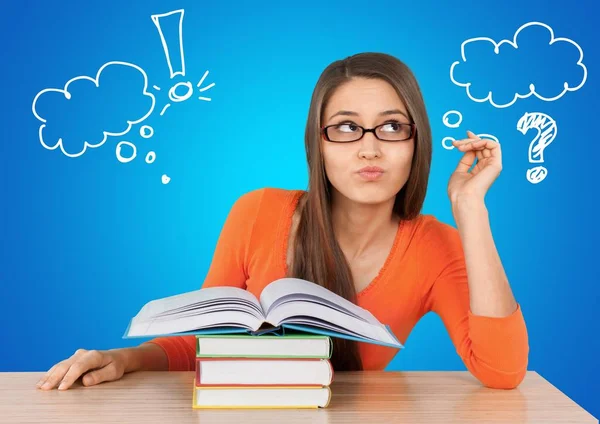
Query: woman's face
column 367, row 103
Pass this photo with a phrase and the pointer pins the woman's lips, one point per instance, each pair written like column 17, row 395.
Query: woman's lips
column 370, row 175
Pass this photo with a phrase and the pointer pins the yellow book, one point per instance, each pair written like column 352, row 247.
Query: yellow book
column 272, row 397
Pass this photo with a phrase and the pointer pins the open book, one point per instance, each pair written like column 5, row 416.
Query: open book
column 287, row 303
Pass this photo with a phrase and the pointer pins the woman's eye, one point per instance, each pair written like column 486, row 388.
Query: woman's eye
column 392, row 127
column 347, row 127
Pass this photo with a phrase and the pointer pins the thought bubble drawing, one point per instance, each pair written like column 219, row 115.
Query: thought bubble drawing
column 146, row 131
column 73, row 118
column 484, row 58
column 447, row 141
column 171, row 25
column 122, row 158
column 458, row 119
column 66, row 100
column 546, row 133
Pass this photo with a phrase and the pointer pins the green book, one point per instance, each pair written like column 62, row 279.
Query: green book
column 265, row 346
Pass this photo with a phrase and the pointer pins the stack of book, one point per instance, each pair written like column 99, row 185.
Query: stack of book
column 271, row 351
column 267, row 371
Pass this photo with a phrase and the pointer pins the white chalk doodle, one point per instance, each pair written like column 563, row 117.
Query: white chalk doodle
column 445, row 144
column 202, row 89
column 179, row 92
column 489, row 136
column 67, row 95
column 146, row 131
column 162, row 112
column 450, row 140
column 178, row 98
column 452, row 112
column 546, row 133
column 120, row 157
column 175, row 56
column 150, row 157
column 531, row 88
column 170, row 52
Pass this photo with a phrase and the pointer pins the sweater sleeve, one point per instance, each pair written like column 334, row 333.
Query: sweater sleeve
column 494, row 349
column 228, row 268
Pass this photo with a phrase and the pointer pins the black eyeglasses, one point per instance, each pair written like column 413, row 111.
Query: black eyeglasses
column 347, row 132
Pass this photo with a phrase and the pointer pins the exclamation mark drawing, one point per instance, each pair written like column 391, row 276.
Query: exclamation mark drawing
column 175, row 54
column 170, row 24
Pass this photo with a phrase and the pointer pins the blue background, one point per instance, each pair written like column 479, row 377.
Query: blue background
column 87, row 241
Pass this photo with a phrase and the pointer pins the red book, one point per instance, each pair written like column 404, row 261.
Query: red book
column 263, row 372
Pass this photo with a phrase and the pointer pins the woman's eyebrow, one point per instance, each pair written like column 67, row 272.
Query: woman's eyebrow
column 384, row 113
column 393, row 112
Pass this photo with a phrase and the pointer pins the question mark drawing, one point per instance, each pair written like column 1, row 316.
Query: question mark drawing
column 546, row 133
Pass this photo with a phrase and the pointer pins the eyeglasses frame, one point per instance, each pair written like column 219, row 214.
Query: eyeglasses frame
column 412, row 125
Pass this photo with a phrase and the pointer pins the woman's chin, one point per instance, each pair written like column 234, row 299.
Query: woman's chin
column 369, row 194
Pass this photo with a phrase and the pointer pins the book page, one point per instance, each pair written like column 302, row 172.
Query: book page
column 198, row 298
column 180, row 324
column 293, row 289
column 297, row 301
column 321, row 316
column 222, row 306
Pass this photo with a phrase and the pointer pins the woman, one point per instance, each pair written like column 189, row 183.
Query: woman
column 358, row 231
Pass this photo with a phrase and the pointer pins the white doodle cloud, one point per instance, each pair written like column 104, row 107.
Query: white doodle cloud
column 531, row 89
column 100, row 139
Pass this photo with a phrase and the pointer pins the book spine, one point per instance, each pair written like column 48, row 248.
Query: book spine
column 328, row 399
column 327, row 355
column 331, row 372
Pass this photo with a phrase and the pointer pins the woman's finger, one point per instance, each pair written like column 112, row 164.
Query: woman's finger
column 462, row 141
column 42, row 380
column 481, row 144
column 57, row 372
column 472, row 144
column 92, row 359
column 107, row 373
column 465, row 162
column 56, row 375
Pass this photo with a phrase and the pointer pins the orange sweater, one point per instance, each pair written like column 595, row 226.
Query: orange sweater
column 425, row 271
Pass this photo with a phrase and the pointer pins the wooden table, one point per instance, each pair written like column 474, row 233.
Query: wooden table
column 358, row 397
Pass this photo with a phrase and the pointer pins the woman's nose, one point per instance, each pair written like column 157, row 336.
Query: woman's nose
column 369, row 146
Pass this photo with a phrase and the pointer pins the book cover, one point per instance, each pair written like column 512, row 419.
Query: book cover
column 281, row 365
column 265, row 405
column 294, row 335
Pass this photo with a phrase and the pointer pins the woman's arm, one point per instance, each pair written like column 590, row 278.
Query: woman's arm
column 465, row 280
column 489, row 291
column 489, row 335
column 145, row 357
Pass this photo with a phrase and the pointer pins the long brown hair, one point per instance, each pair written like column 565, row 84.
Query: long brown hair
column 317, row 255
